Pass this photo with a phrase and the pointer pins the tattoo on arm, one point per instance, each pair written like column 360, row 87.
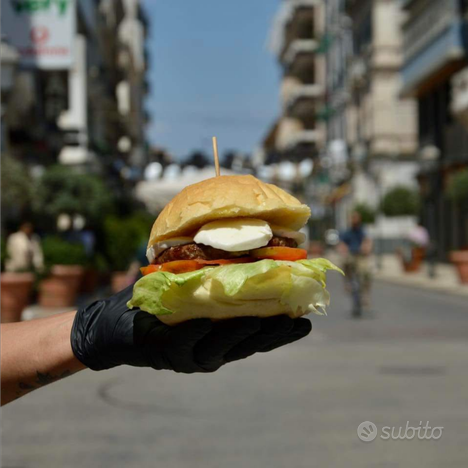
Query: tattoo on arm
column 40, row 381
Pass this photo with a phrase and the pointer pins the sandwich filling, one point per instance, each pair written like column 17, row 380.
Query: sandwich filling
column 238, row 240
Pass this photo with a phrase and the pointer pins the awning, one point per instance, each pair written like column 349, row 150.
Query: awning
column 156, row 194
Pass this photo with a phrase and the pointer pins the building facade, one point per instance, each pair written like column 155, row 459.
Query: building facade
column 435, row 35
column 338, row 52
column 381, row 125
column 89, row 113
column 295, row 41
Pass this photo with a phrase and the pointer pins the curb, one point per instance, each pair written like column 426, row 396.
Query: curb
column 422, row 283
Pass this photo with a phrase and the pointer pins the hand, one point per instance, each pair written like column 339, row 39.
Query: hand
column 107, row 334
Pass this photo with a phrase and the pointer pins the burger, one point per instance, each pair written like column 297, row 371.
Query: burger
column 230, row 247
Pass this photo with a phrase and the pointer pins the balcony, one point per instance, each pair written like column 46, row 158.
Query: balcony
column 434, row 44
column 303, row 138
column 301, row 101
column 295, row 20
column 299, row 56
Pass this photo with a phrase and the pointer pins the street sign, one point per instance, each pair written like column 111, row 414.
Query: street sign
column 41, row 30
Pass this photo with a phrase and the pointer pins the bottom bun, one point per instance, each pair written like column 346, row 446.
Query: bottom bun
column 218, row 312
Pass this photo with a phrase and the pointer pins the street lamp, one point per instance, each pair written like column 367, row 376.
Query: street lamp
column 9, row 61
column 429, row 157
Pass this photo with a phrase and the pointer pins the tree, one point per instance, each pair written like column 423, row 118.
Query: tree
column 457, row 189
column 400, row 201
column 63, row 190
column 366, row 211
column 16, row 188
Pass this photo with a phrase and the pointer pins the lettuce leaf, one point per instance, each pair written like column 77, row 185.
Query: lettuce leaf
column 297, row 287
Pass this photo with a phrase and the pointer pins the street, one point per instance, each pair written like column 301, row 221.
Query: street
column 299, row 406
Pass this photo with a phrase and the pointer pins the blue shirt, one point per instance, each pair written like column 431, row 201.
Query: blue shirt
column 353, row 238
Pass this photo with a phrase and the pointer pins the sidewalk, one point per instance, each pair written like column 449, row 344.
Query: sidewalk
column 446, row 279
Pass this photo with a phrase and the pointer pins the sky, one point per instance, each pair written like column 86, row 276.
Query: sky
column 211, row 74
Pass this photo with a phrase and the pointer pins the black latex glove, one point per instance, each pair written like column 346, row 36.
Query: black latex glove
column 107, row 334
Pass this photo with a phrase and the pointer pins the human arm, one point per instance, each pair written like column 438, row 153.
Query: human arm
column 36, row 353
column 107, row 334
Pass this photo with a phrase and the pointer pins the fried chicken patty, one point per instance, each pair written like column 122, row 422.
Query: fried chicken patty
column 205, row 252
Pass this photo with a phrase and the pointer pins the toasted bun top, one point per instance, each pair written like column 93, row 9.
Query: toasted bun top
column 227, row 197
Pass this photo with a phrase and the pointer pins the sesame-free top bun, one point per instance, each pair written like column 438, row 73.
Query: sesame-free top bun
column 227, row 197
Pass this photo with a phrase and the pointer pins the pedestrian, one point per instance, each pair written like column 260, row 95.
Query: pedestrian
column 356, row 248
column 23, row 250
column 107, row 334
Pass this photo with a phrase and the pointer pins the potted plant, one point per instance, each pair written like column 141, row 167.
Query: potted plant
column 123, row 237
column 457, row 191
column 16, row 290
column 65, row 268
column 64, row 191
column 16, row 197
column 403, row 201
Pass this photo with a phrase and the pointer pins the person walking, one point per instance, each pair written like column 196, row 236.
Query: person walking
column 356, row 247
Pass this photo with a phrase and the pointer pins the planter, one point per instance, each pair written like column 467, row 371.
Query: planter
column 90, row 282
column 119, row 281
column 460, row 259
column 16, row 292
column 417, row 257
column 61, row 287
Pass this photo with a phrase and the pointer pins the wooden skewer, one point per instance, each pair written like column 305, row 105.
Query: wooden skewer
column 216, row 159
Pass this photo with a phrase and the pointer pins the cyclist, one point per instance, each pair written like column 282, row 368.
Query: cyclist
column 356, row 247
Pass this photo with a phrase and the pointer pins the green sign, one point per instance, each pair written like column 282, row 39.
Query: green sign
column 36, row 6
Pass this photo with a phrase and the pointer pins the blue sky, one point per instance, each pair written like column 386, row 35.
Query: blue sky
column 211, row 73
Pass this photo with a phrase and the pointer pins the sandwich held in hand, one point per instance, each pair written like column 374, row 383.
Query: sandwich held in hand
column 230, row 247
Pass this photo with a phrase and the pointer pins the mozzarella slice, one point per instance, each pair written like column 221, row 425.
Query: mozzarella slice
column 159, row 247
column 279, row 231
column 235, row 235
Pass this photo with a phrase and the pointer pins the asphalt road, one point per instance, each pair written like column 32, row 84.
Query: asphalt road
column 295, row 407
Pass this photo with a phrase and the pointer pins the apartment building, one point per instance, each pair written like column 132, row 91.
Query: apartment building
column 435, row 74
column 79, row 83
column 381, row 125
column 338, row 52
column 295, row 41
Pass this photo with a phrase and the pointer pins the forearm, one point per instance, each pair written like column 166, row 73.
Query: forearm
column 35, row 354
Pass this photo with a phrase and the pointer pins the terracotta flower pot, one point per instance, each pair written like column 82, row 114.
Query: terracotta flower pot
column 417, row 257
column 460, row 259
column 61, row 287
column 16, row 292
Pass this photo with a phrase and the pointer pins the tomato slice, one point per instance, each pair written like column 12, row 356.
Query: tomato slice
column 150, row 269
column 177, row 266
column 279, row 253
column 226, row 261
column 180, row 266
column 184, row 266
